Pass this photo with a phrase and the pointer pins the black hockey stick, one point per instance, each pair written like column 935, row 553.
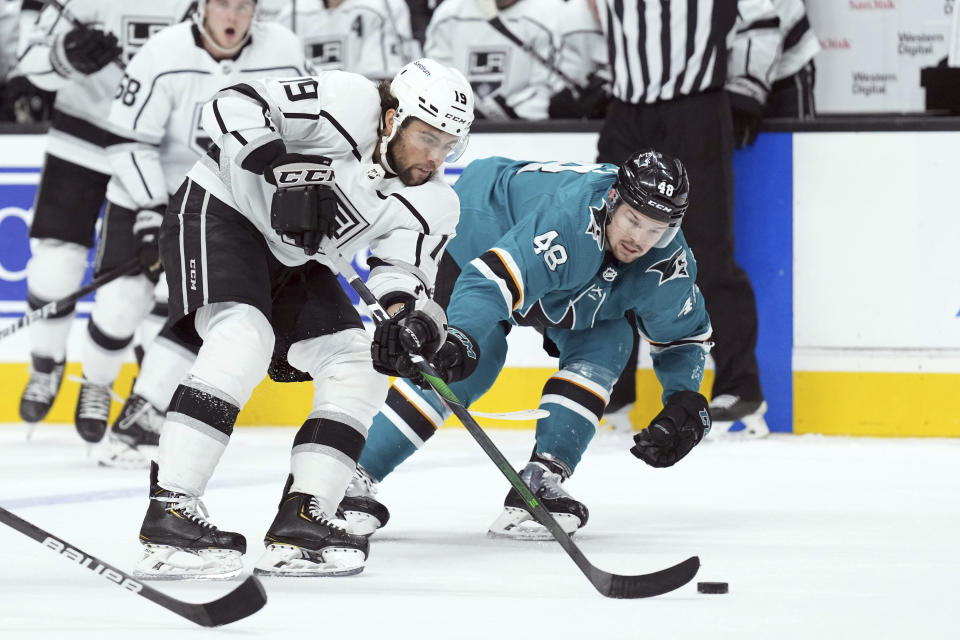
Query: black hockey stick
column 51, row 308
column 245, row 600
column 611, row 585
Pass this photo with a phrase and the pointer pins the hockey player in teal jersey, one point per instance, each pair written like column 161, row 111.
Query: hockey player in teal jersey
column 586, row 254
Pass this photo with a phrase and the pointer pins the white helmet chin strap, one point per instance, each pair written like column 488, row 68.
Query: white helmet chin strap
column 385, row 142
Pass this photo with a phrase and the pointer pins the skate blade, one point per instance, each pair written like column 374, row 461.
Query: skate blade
column 164, row 562
column 120, row 455
column 284, row 560
column 361, row 523
column 754, row 427
column 517, row 524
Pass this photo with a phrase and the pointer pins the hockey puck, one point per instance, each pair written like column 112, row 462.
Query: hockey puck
column 713, row 587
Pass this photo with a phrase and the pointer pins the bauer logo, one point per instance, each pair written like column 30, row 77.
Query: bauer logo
column 93, row 564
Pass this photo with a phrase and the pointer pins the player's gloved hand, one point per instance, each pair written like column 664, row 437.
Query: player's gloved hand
column 674, row 431
column 304, row 206
column 419, row 331
column 456, row 358
column 590, row 103
column 83, row 50
column 146, row 228
column 21, row 101
column 747, row 114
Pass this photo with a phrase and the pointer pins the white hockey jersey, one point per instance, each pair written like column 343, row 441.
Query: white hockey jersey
column 79, row 125
column 754, row 45
column 334, row 114
column 508, row 82
column 369, row 37
column 156, row 114
column 799, row 43
column 581, row 45
column 9, row 28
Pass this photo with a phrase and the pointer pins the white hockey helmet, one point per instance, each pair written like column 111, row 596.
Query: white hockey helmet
column 437, row 94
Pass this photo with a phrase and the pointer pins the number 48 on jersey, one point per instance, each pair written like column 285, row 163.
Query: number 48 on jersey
column 553, row 254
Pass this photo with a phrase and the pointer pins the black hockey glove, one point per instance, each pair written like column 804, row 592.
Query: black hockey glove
column 674, row 431
column 590, row 104
column 21, row 101
column 747, row 114
column 146, row 228
column 420, row 332
column 304, row 207
column 457, row 357
column 83, row 50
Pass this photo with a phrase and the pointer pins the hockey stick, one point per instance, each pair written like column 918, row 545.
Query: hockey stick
column 524, row 414
column 609, row 584
column 245, row 600
column 51, row 308
column 490, row 13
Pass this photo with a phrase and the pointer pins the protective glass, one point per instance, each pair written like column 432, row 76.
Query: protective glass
column 644, row 229
column 437, row 142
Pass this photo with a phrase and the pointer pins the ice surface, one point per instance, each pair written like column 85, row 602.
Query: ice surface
column 818, row 537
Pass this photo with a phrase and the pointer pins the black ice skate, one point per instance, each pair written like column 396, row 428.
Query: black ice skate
column 543, row 476
column 42, row 387
column 179, row 542
column 304, row 541
column 133, row 439
column 363, row 513
column 726, row 410
column 93, row 410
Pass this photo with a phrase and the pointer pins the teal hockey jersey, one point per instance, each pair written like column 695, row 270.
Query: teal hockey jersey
column 531, row 246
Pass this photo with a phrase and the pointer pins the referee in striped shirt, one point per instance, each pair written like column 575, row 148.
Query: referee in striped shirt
column 677, row 65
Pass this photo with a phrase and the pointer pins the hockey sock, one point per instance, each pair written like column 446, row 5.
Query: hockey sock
column 405, row 423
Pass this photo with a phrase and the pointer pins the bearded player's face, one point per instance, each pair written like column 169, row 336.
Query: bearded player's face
column 418, row 151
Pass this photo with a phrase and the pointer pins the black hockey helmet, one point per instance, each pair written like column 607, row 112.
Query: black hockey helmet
column 657, row 186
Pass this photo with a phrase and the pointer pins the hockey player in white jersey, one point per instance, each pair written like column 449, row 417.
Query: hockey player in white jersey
column 583, row 58
column 369, row 37
column 296, row 166
column 509, row 83
column 78, row 52
column 157, row 138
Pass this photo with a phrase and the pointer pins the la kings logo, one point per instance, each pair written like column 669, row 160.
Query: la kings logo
column 328, row 54
column 487, row 70
column 199, row 140
column 672, row 268
column 350, row 223
column 136, row 30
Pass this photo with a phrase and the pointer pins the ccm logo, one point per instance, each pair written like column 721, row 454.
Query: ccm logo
column 304, row 176
column 657, row 205
column 86, row 561
column 456, row 119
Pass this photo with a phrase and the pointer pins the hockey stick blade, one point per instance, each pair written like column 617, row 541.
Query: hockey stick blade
column 525, row 414
column 645, row 585
column 245, row 600
column 610, row 585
